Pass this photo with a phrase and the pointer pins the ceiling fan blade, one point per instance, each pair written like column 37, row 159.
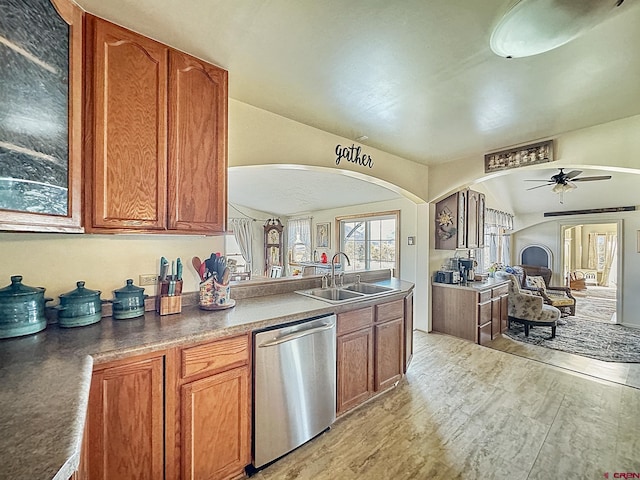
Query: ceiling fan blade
column 531, row 180
column 538, row 186
column 591, row 179
column 573, row 173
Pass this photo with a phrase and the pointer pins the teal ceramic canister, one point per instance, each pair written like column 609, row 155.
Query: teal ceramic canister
column 129, row 301
column 79, row 307
column 21, row 309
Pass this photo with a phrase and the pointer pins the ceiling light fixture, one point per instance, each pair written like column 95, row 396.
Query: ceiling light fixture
column 537, row 26
column 562, row 188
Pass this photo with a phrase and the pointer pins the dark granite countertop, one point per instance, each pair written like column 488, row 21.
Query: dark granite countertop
column 45, row 377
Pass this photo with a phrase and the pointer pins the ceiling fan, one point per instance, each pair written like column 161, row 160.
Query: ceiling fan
column 564, row 182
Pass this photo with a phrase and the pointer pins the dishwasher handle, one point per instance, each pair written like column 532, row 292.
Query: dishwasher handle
column 296, row 335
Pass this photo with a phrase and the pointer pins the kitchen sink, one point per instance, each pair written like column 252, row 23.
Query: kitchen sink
column 367, row 288
column 356, row 291
column 331, row 294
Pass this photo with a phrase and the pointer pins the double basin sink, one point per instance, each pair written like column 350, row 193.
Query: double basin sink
column 353, row 292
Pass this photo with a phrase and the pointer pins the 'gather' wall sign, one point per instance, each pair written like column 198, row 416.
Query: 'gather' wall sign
column 354, row 155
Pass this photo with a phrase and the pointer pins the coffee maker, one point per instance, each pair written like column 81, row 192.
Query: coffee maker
column 467, row 274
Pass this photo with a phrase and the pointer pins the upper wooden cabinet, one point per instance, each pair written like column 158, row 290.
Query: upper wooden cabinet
column 41, row 148
column 459, row 221
column 197, row 145
column 156, row 136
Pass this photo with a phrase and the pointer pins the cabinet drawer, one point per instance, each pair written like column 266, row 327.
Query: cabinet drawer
column 484, row 296
column 390, row 310
column 215, row 356
column 501, row 290
column 355, row 320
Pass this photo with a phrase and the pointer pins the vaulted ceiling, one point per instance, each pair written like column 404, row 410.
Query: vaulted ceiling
column 416, row 77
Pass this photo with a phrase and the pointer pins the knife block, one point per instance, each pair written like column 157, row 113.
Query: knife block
column 167, row 304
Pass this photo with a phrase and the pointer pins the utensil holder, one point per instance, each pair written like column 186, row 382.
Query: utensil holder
column 213, row 294
column 167, row 303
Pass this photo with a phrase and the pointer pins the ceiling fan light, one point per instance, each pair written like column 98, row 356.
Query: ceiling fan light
column 536, row 26
column 558, row 188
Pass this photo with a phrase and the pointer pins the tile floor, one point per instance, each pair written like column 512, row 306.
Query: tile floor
column 469, row 412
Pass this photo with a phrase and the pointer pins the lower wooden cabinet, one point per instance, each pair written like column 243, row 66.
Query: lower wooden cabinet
column 215, row 426
column 125, row 420
column 180, row 413
column 354, row 358
column 477, row 313
column 371, row 351
column 389, row 343
column 388, row 353
column 408, row 331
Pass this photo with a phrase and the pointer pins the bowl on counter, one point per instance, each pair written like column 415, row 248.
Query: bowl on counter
column 128, row 301
column 79, row 307
column 21, row 309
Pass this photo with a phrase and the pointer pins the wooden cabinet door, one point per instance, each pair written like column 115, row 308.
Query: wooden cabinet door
column 463, row 218
column 504, row 312
column 485, row 312
column 496, row 317
column 408, row 331
column 216, row 440
column 472, row 219
column 125, row 421
column 388, row 353
column 127, row 172
column 355, row 368
column 197, row 145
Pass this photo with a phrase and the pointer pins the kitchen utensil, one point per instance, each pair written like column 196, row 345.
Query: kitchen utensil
column 21, row 309
column 164, row 267
column 196, row 262
column 129, row 301
column 178, row 269
column 79, row 307
column 203, row 271
column 225, row 275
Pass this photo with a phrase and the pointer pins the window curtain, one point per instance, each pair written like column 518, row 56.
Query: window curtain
column 592, row 262
column 497, row 238
column 242, row 230
column 611, row 246
column 299, row 230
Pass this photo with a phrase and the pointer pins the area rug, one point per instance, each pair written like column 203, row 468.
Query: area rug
column 580, row 336
column 596, row 303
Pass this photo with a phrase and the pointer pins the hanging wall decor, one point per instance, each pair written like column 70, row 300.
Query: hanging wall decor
column 519, row 157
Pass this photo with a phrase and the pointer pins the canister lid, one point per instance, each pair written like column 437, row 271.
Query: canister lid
column 129, row 289
column 80, row 292
column 17, row 288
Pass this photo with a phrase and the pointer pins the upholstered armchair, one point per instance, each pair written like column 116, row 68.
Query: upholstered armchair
column 536, row 279
column 529, row 309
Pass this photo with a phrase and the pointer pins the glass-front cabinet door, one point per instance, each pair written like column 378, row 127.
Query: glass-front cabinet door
column 40, row 115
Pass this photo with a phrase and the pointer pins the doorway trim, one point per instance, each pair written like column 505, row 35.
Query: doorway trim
column 564, row 225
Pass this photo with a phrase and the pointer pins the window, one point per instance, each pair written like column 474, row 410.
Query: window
column 299, row 240
column 497, row 239
column 370, row 241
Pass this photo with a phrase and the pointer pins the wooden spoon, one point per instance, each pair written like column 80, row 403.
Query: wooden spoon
column 197, row 264
column 225, row 275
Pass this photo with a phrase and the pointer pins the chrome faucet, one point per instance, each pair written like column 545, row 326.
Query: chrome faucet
column 333, row 267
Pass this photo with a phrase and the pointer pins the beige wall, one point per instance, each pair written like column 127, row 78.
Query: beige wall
column 57, row 261
column 258, row 137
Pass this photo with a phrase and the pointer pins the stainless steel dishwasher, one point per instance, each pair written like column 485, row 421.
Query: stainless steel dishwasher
column 294, row 386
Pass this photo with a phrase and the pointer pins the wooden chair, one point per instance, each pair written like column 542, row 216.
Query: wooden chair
column 577, row 281
column 536, row 279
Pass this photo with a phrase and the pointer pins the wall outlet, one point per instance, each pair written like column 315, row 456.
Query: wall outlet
column 148, row 279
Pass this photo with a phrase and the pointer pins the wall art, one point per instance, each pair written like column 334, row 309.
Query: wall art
column 519, row 157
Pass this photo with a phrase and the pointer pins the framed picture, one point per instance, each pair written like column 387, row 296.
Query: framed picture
column 519, row 157
column 323, row 235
